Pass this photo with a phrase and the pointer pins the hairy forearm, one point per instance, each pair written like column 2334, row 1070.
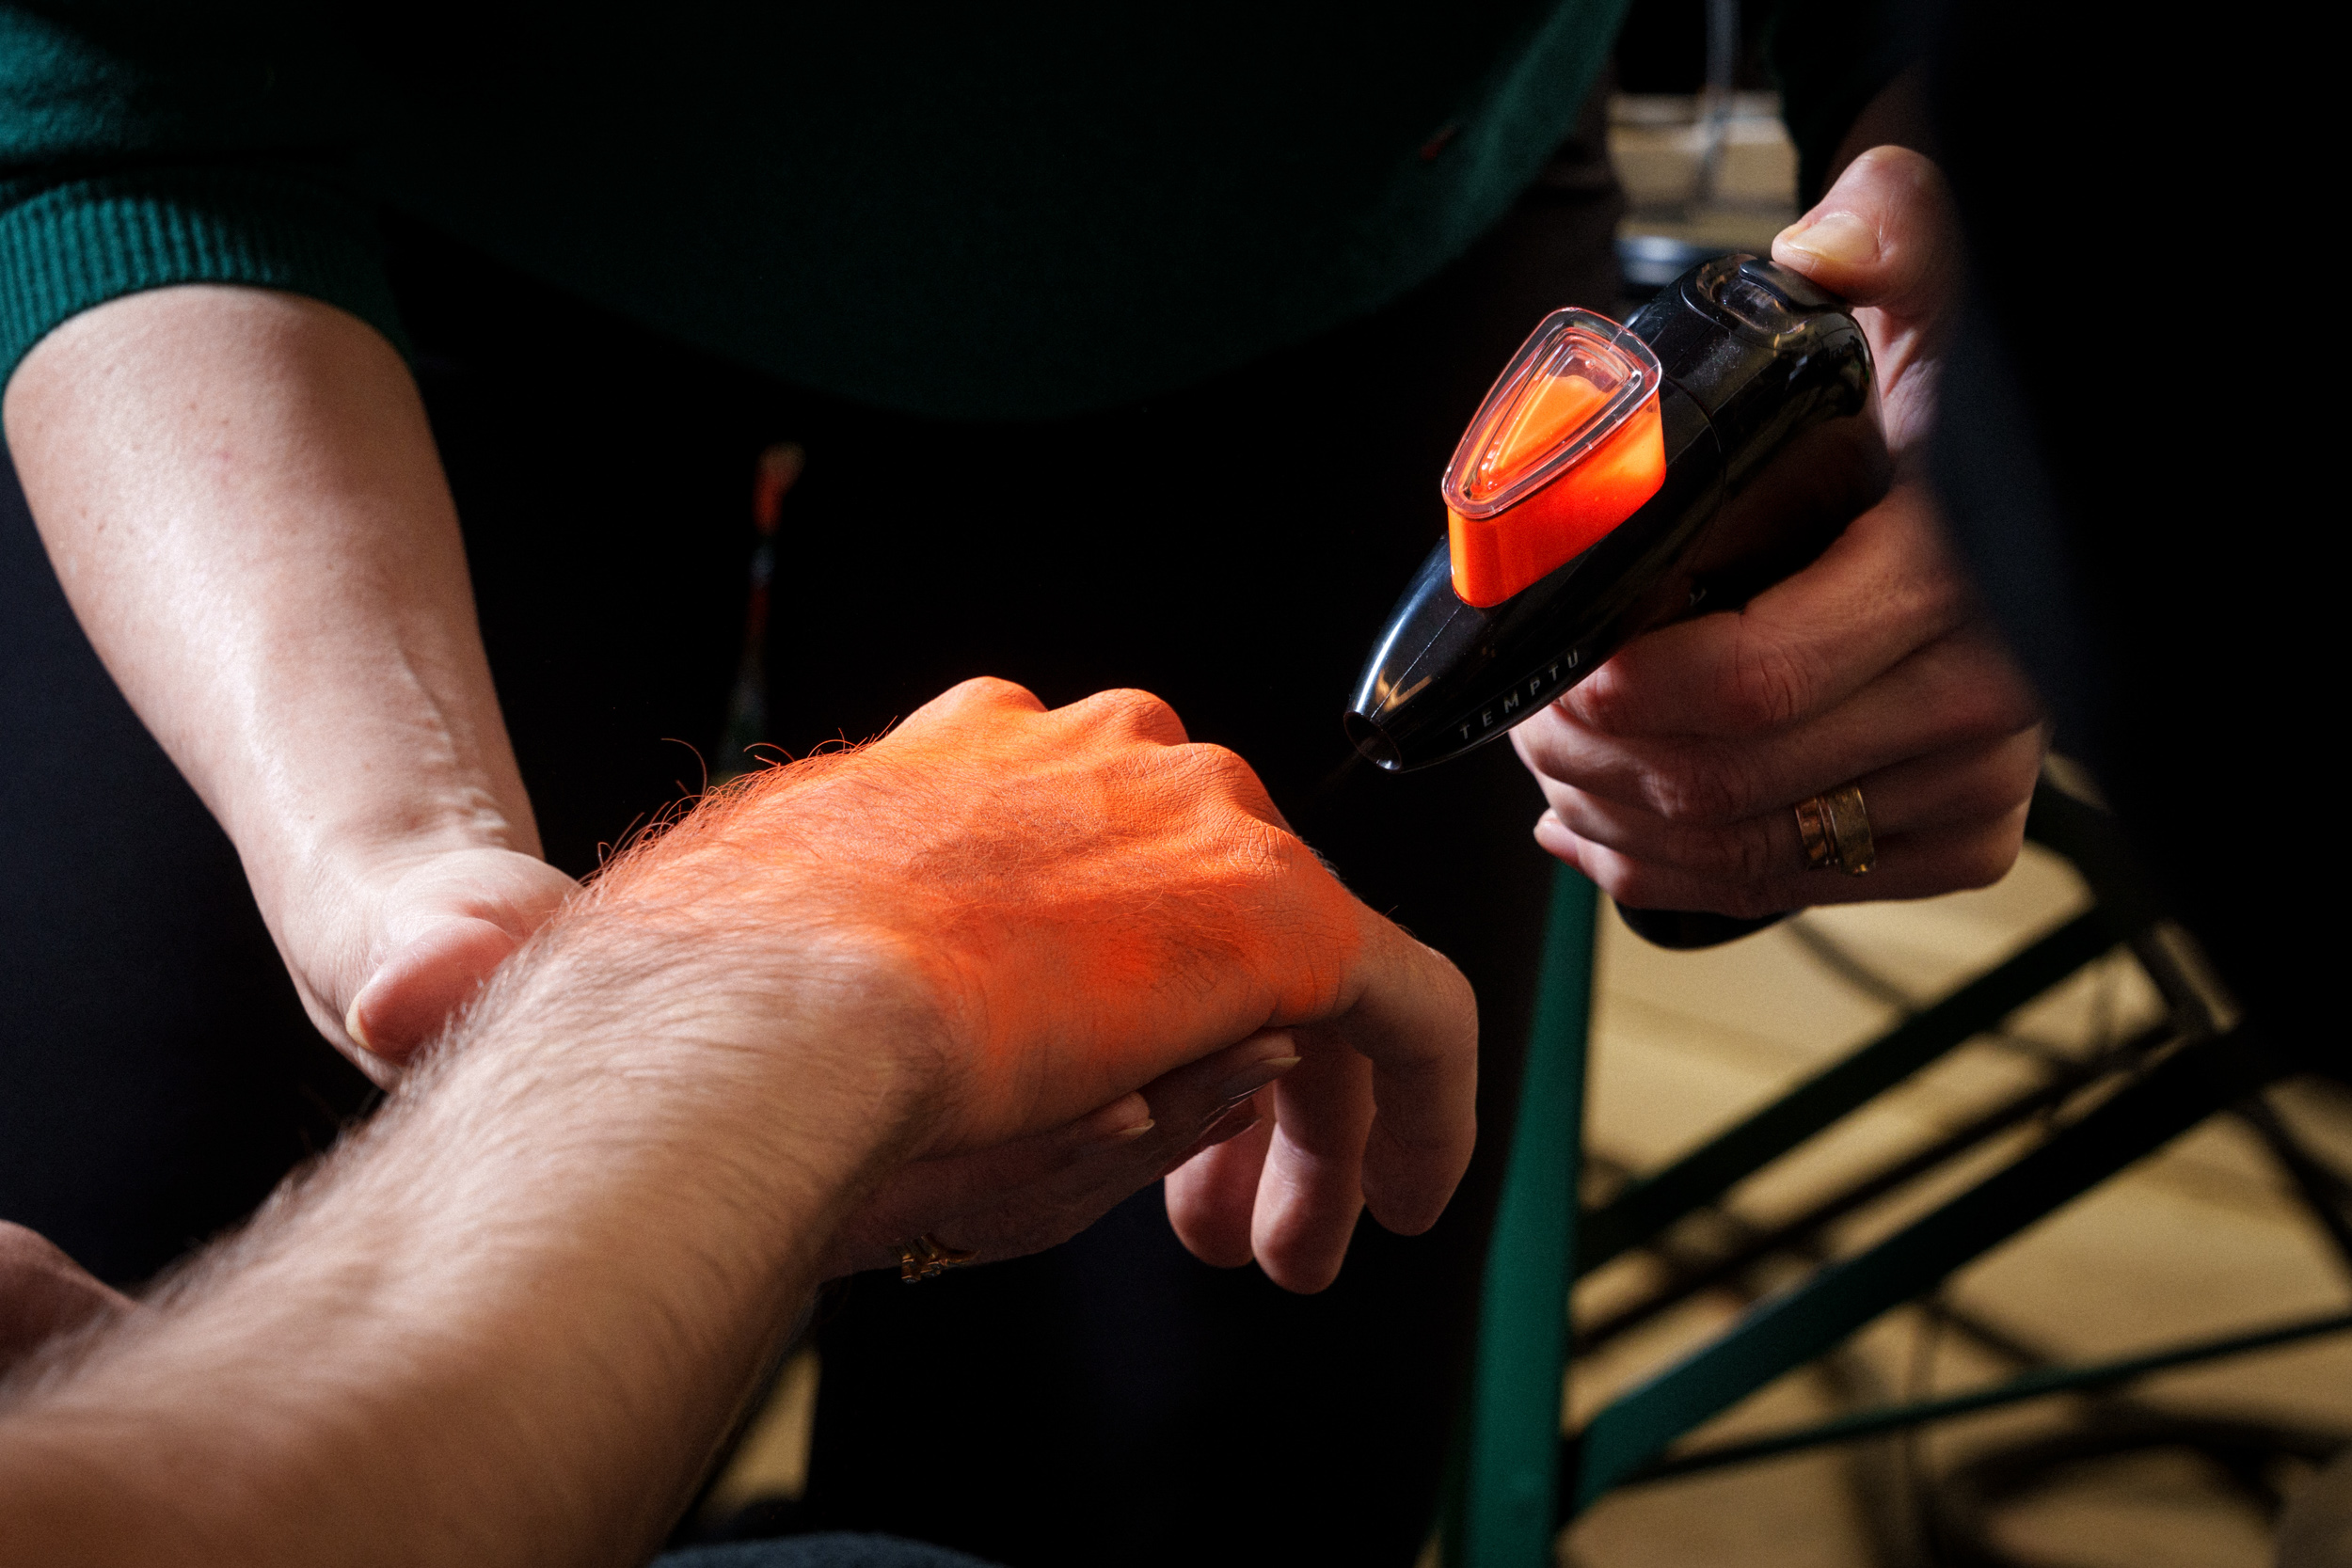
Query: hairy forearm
column 240, row 496
column 508, row 1321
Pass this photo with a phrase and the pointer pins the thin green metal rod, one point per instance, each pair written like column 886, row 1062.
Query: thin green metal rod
column 1652, row 1204
column 1510, row 1486
column 2029, row 1386
column 1786, row 1330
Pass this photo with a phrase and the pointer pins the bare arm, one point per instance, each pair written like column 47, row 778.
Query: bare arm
column 242, row 499
column 507, row 1323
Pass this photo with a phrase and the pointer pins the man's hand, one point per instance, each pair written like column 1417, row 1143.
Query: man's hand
column 1084, row 903
column 1037, row 1191
column 1673, row 772
column 240, row 493
column 507, row 1321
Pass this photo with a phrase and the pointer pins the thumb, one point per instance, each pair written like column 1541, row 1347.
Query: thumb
column 447, row 925
column 1884, row 235
column 421, row 985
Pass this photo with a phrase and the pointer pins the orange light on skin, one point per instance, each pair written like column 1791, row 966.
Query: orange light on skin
column 1059, row 879
column 1499, row 556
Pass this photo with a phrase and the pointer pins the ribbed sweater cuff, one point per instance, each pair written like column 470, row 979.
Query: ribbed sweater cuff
column 66, row 247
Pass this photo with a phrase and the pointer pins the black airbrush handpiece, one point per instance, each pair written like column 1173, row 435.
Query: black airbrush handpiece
column 1583, row 503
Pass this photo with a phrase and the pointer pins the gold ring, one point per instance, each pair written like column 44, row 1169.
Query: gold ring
column 1835, row 828
column 927, row 1258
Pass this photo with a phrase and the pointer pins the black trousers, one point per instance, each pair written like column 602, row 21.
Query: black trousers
column 1232, row 548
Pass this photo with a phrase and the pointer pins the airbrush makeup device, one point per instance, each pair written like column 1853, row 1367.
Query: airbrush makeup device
column 1583, row 501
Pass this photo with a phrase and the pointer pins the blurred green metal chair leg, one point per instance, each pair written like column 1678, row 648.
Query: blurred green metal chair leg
column 1505, row 1501
column 1518, row 1481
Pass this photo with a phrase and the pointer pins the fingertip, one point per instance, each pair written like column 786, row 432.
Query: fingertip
column 1408, row 1186
column 1115, row 1126
column 1877, row 234
column 374, row 1025
column 1305, row 1219
column 1306, row 1261
column 1211, row 1197
column 406, row 1002
column 1828, row 243
column 1409, row 1208
column 1553, row 835
column 1207, row 1204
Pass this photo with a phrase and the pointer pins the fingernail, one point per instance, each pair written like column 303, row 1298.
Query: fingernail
column 1835, row 236
column 1120, row 1139
column 1251, row 1080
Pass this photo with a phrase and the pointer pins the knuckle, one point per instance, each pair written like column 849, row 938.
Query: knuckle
column 1607, row 700
column 1944, row 595
column 1626, row 882
column 1547, row 743
column 1992, row 788
column 1986, row 863
column 1983, row 696
column 1746, row 855
column 996, row 689
column 1701, row 787
column 1982, row 710
column 1221, row 768
column 1990, row 856
column 1223, row 793
column 1769, row 684
column 1138, row 712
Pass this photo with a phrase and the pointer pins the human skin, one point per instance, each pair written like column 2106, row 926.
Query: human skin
column 241, row 497
column 240, row 493
column 509, row 1320
column 1671, row 774
column 44, row 1293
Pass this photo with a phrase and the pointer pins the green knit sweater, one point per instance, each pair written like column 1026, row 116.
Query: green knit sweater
column 969, row 210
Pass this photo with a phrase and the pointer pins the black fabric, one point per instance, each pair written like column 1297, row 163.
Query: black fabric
column 1830, row 58
column 157, row 1076
column 1231, row 548
column 2126, row 455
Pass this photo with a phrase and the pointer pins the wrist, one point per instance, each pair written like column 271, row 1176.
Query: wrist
column 786, row 1037
column 333, row 847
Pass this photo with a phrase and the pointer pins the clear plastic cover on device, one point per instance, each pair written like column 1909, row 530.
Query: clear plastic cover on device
column 1572, row 385
column 1567, row 445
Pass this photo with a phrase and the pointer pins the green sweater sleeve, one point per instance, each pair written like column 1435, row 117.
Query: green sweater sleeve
column 1831, row 57
column 147, row 146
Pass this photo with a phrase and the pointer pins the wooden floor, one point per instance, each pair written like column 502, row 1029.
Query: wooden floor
column 2205, row 1238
